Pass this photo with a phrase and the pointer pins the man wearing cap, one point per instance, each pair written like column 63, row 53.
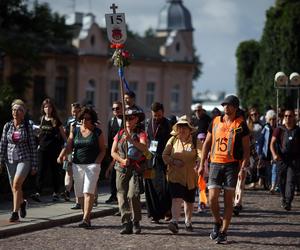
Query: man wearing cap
column 228, row 143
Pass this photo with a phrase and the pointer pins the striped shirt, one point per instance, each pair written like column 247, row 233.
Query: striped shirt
column 25, row 146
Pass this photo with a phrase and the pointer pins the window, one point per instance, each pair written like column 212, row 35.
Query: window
column 150, row 94
column 114, row 92
column 60, row 92
column 175, row 98
column 39, row 94
column 90, row 92
column 133, row 87
column 92, row 40
column 177, row 47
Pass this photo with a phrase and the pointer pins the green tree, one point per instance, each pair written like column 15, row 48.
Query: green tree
column 279, row 50
column 24, row 36
column 247, row 57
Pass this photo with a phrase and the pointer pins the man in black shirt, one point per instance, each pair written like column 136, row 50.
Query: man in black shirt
column 200, row 120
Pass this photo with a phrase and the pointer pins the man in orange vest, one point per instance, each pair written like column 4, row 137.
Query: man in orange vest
column 228, row 143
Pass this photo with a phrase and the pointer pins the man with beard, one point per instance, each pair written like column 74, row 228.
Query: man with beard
column 157, row 195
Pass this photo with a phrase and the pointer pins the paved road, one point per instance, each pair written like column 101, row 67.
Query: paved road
column 262, row 225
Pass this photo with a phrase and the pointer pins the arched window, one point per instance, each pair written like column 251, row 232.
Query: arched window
column 61, row 86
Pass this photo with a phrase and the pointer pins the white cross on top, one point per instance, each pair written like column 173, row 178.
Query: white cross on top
column 113, row 7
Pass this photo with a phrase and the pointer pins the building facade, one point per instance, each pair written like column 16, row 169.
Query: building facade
column 161, row 69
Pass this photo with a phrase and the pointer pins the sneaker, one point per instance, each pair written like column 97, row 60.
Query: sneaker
column 111, row 199
column 85, row 224
column 216, row 230
column 95, row 203
column 287, row 207
column 237, row 209
column 36, row 197
column 23, row 207
column 127, row 228
column 14, row 217
column 173, row 227
column 222, row 238
column 66, row 195
column 76, row 206
column 136, row 228
column 55, row 197
column 189, row 227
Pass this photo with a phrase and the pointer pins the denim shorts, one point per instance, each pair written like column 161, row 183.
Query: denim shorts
column 223, row 175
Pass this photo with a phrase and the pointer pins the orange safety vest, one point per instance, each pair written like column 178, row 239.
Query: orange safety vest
column 223, row 140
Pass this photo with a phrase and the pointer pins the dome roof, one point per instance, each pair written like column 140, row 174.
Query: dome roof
column 174, row 16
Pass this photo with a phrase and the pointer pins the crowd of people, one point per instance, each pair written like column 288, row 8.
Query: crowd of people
column 165, row 158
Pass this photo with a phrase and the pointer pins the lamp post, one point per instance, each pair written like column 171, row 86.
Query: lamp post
column 281, row 81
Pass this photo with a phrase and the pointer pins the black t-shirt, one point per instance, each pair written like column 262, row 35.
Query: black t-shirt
column 202, row 123
column 49, row 135
column 288, row 142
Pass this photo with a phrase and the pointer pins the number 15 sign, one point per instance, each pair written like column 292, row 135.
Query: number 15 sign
column 116, row 26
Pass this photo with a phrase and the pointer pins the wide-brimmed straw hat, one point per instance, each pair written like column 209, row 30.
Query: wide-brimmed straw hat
column 183, row 120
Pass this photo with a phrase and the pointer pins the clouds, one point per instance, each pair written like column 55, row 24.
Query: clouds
column 220, row 25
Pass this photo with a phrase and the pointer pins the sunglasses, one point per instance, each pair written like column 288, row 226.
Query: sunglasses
column 129, row 118
column 115, row 108
column 288, row 116
column 253, row 114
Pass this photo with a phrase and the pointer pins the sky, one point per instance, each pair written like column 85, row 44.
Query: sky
column 219, row 27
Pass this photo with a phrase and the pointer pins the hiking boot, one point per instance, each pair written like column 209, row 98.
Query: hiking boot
column 14, row 217
column 55, row 197
column 127, row 228
column 136, row 227
column 35, row 197
column 66, row 195
column 189, row 227
column 76, row 206
column 23, row 207
column 173, row 227
column 216, row 230
column 111, row 200
column 84, row 224
column 222, row 238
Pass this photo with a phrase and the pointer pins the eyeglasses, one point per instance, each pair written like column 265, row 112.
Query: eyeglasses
column 129, row 118
column 115, row 108
column 75, row 105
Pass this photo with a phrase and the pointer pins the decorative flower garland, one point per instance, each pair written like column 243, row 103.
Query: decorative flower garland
column 121, row 57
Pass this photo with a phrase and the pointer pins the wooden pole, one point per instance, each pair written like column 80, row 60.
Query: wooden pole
column 123, row 107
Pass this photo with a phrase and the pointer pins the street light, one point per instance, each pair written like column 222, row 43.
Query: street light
column 281, row 81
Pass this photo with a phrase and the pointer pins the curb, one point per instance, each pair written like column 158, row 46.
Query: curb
column 56, row 221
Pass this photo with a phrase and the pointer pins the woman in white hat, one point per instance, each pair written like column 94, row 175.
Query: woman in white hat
column 181, row 154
